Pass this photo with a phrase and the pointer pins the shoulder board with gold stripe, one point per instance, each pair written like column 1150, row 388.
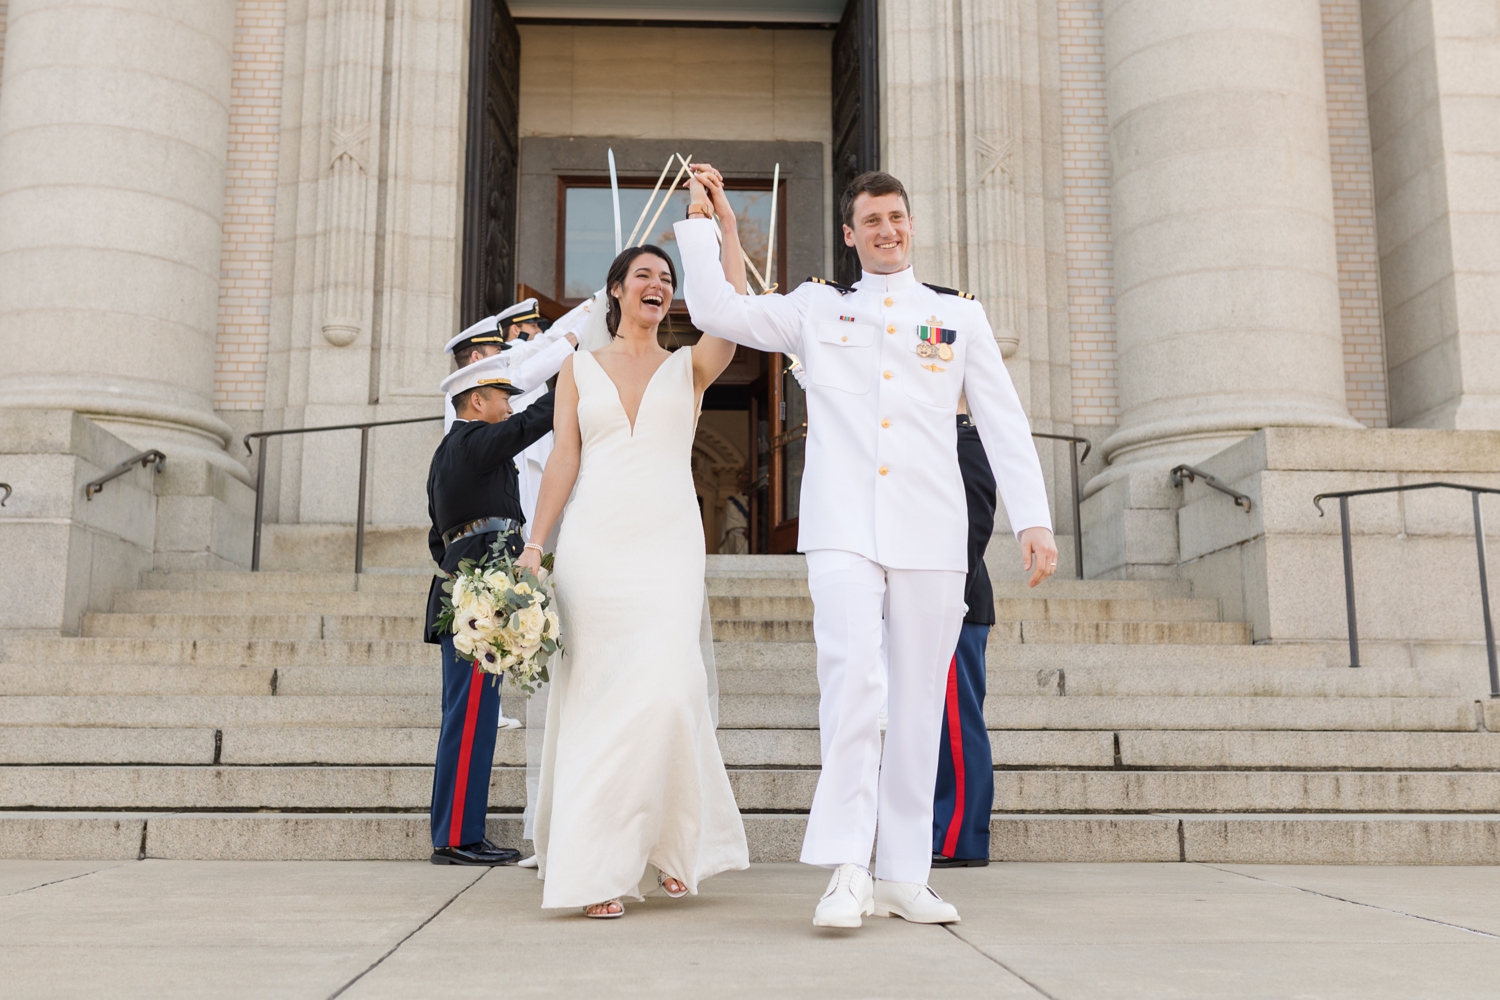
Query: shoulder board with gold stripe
column 949, row 291
column 842, row 289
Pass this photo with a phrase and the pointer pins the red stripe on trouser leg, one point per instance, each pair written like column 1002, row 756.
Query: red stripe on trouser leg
column 465, row 751
column 956, row 744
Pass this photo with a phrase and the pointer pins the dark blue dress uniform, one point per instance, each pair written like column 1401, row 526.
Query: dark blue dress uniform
column 472, row 479
column 965, row 790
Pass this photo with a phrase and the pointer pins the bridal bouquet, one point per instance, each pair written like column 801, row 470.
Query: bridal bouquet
column 502, row 616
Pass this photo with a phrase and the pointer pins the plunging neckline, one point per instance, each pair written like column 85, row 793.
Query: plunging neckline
column 644, row 392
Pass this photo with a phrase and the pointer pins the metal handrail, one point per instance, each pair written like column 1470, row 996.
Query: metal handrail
column 1075, row 460
column 1484, row 579
column 144, row 459
column 364, row 454
column 1189, row 473
column 7, row 489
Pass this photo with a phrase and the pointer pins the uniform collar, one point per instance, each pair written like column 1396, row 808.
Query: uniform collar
column 898, row 282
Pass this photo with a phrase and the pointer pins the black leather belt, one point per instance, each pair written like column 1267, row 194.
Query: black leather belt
column 504, row 525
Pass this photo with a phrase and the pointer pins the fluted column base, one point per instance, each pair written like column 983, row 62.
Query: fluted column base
column 149, row 415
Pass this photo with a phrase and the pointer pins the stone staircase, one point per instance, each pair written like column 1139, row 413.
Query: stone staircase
column 293, row 715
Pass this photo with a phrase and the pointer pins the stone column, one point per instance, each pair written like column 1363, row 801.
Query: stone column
column 1226, row 282
column 1434, row 102
column 113, row 137
column 971, row 124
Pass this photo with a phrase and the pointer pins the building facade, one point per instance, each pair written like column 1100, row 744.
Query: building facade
column 1188, row 220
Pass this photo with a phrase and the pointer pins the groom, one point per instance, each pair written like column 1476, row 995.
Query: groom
column 883, row 523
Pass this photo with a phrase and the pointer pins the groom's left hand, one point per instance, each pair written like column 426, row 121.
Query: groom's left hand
column 1038, row 553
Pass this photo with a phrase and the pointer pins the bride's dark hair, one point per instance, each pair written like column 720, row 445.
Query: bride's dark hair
column 617, row 272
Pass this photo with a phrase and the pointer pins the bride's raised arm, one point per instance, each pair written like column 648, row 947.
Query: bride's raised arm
column 562, row 465
column 713, row 354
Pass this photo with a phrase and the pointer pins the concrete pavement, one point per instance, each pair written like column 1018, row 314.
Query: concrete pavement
column 365, row 930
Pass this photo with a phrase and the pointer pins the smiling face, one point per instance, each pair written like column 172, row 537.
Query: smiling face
column 881, row 233
column 645, row 293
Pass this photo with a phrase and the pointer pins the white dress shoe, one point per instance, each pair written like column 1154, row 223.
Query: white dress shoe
column 527, row 862
column 912, row 901
column 849, row 898
column 509, row 723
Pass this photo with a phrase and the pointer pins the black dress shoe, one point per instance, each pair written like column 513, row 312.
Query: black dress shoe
column 507, row 852
column 939, row 861
column 472, row 854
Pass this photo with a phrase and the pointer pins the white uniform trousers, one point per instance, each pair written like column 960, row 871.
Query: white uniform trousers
column 859, row 793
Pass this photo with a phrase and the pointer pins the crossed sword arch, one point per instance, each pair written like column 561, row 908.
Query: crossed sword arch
column 686, row 161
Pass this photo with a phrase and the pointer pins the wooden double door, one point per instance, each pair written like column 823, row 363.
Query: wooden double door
column 758, row 384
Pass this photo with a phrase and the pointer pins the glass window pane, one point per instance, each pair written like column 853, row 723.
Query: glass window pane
column 589, row 231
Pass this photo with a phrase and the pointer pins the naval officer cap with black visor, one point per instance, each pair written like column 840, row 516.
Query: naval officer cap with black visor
column 491, row 329
column 491, row 371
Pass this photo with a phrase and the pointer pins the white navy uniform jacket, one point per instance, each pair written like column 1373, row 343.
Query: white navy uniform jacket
column 881, row 477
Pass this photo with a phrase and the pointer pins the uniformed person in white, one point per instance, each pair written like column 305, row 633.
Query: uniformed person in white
column 534, row 356
column 883, row 522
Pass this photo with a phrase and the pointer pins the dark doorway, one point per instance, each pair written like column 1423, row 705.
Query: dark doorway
column 856, row 116
column 491, row 173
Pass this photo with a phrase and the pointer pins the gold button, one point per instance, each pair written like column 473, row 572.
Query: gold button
column 887, row 374
column 884, row 470
column 846, row 340
column 889, row 301
column 890, row 329
column 885, row 423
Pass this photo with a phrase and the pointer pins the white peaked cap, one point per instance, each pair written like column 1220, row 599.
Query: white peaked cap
column 493, row 370
column 521, row 312
column 488, row 330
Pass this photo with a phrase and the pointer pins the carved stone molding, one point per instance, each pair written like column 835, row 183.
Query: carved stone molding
column 347, row 189
column 957, row 131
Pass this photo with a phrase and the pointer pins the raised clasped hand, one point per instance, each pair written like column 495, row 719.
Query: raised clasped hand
column 707, row 187
column 1038, row 553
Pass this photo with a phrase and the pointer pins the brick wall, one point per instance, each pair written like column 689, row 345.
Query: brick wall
column 249, row 206
column 1354, row 213
column 1086, row 191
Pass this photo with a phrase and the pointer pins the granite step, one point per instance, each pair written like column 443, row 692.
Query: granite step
column 392, row 582
column 800, row 711
column 1244, row 838
column 760, row 789
column 797, row 710
column 1048, row 632
column 218, row 711
column 254, row 602
column 720, row 582
column 322, row 787
column 253, row 626
column 1310, row 750
column 1412, row 714
column 1006, row 609
column 783, row 748
column 96, row 654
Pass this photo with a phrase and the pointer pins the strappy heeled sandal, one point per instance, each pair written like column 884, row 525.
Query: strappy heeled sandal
column 661, row 880
column 605, row 914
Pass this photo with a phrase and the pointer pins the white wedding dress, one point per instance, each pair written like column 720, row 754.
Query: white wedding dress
column 631, row 773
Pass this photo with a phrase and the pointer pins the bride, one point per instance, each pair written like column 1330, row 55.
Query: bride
column 631, row 773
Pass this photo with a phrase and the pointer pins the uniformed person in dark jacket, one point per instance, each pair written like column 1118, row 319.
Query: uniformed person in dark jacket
column 965, row 789
column 472, row 499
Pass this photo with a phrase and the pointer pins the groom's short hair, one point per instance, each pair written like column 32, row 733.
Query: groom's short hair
column 871, row 182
